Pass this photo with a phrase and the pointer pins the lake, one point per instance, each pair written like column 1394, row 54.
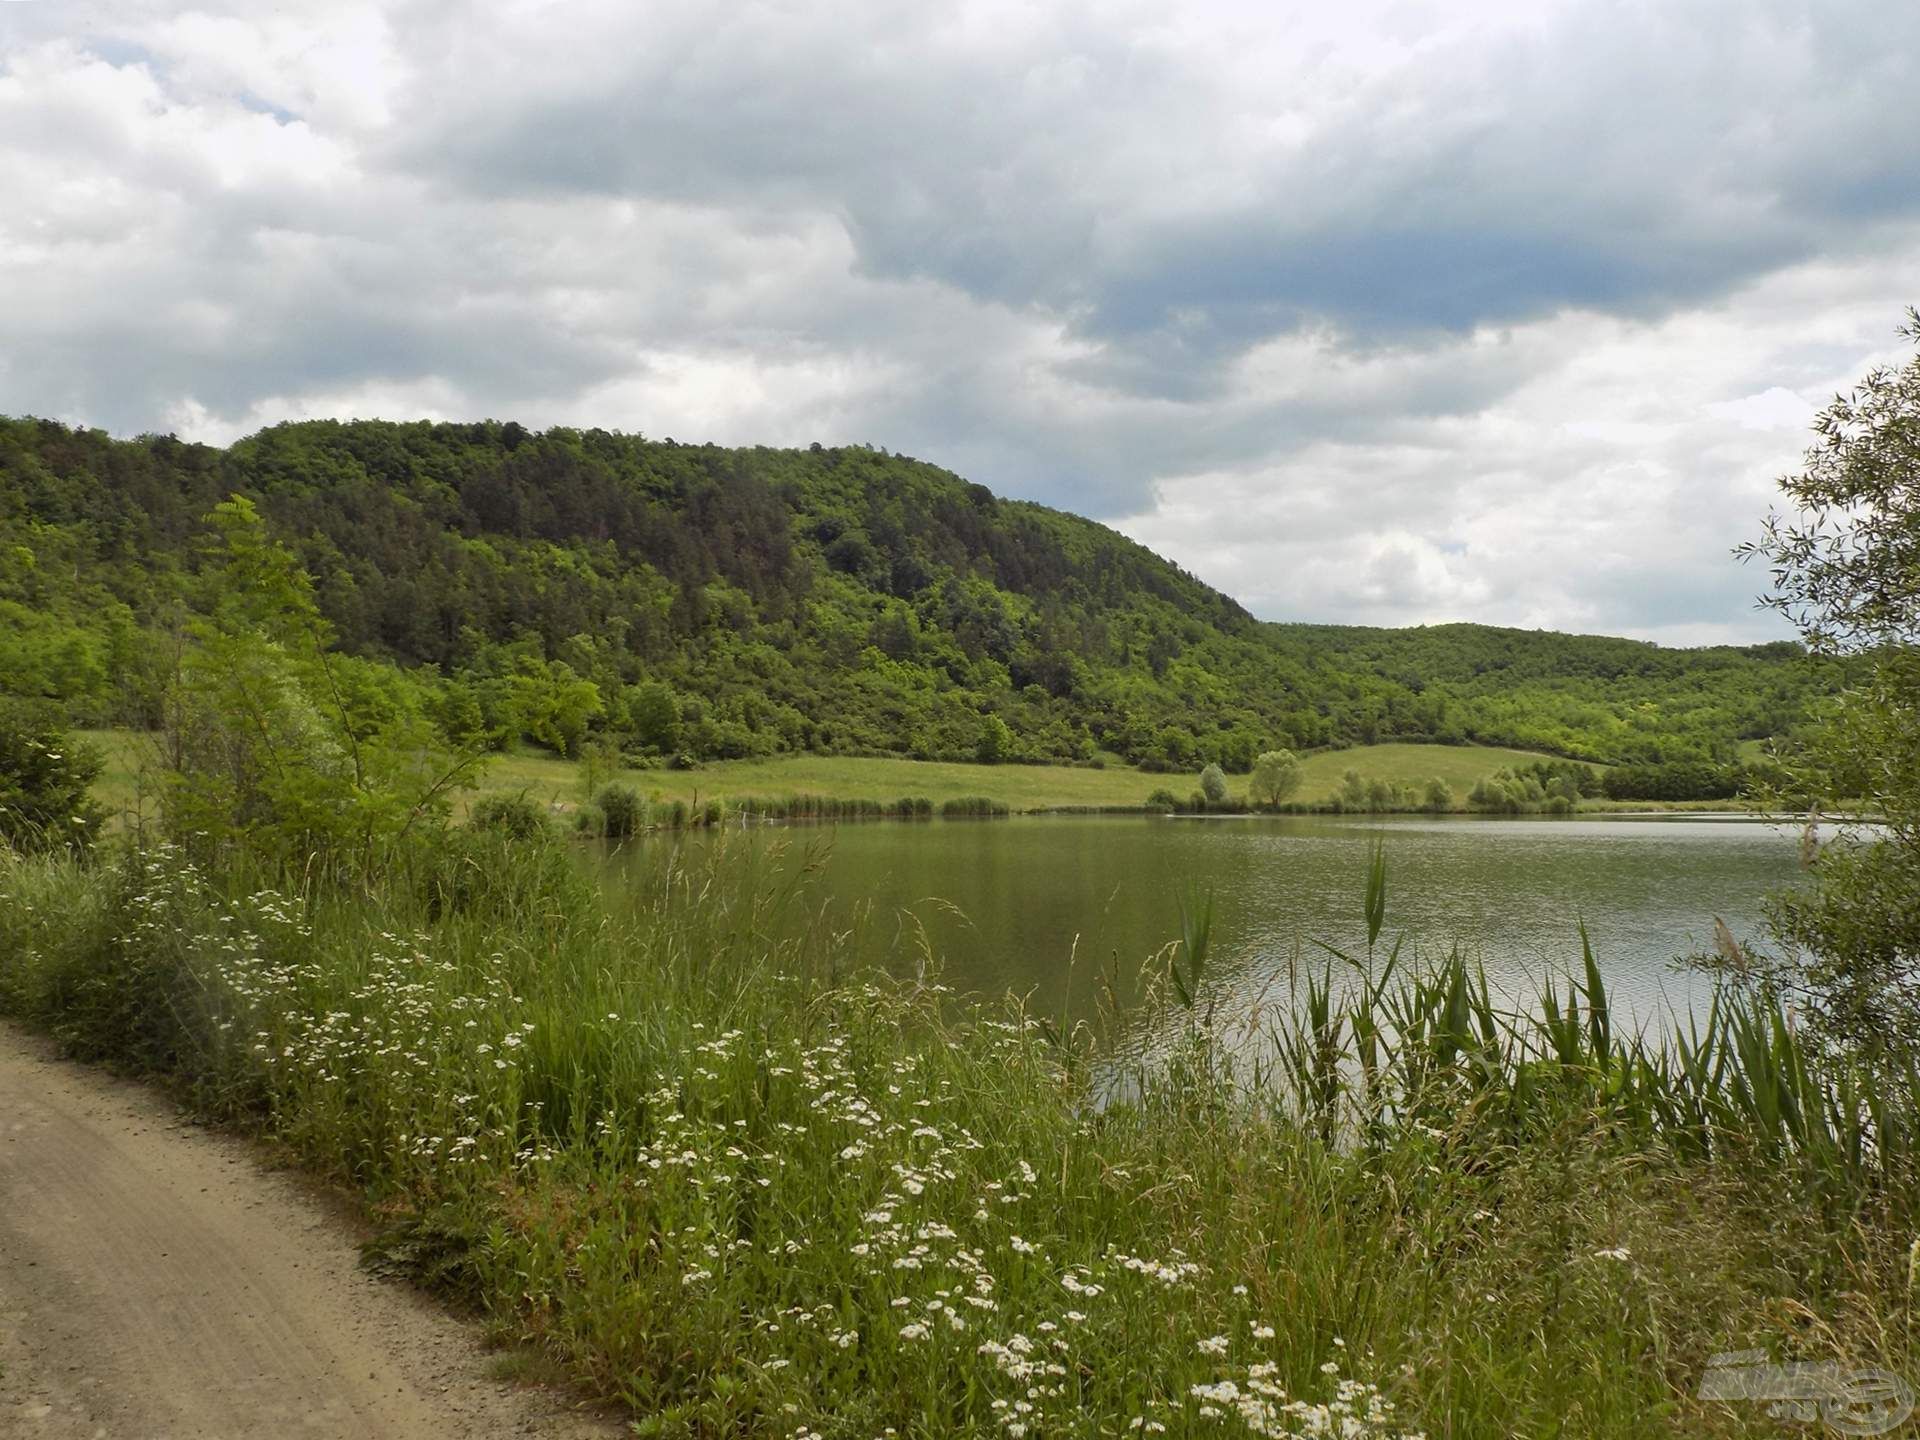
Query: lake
column 1041, row 905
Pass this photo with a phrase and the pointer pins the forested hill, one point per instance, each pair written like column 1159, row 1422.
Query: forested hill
column 711, row 602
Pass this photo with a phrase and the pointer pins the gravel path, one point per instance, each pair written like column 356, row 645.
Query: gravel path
column 158, row 1283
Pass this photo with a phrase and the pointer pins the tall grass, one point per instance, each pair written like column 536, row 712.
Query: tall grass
column 978, row 807
column 745, row 1192
column 825, row 807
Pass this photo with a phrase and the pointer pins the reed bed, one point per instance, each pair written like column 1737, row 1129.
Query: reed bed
column 974, row 807
column 826, row 807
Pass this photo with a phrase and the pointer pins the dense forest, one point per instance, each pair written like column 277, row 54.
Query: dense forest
column 694, row 602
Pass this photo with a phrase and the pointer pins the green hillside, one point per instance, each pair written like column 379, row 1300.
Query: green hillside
column 740, row 604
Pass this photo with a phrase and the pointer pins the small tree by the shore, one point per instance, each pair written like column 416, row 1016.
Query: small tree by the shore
column 1275, row 777
column 1213, row 785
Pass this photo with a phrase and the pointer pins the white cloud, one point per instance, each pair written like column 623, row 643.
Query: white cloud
column 1605, row 491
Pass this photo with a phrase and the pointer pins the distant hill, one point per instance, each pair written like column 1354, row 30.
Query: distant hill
column 722, row 603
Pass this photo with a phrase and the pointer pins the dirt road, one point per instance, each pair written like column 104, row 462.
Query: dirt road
column 157, row 1283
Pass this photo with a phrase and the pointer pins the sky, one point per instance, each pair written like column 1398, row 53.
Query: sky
column 1385, row 312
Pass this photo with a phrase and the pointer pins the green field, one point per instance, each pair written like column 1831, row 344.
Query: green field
column 1022, row 787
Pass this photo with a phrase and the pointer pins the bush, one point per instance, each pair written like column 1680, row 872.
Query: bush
column 44, row 775
column 1213, row 785
column 517, row 817
column 590, row 822
column 625, row 810
column 1163, row 799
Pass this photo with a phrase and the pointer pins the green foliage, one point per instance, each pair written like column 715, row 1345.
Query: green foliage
column 1677, row 780
column 734, row 604
column 1376, row 795
column 600, row 760
column 1845, row 563
column 1557, row 786
column 281, row 749
column 1275, row 776
column 514, row 817
column 996, row 741
column 623, row 810
column 44, row 776
column 1213, row 785
column 653, row 717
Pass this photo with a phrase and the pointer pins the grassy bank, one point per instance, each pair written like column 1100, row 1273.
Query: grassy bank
column 547, row 778
column 677, row 1148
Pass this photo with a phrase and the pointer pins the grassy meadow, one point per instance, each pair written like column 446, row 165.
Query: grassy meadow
column 680, row 1152
column 546, row 777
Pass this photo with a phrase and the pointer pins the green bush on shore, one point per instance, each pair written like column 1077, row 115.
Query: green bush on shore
column 624, row 809
column 517, row 817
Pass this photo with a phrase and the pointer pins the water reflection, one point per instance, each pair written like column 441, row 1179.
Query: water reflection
column 1057, row 907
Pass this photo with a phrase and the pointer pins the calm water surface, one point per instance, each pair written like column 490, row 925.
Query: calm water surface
column 1040, row 905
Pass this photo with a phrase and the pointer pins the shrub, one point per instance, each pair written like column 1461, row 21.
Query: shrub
column 625, row 810
column 1163, row 799
column 517, row 817
column 1213, row 785
column 44, row 775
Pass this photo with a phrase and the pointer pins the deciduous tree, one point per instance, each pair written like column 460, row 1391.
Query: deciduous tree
column 1276, row 775
column 1845, row 562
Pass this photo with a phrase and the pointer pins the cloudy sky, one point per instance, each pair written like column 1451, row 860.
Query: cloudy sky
column 1385, row 311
